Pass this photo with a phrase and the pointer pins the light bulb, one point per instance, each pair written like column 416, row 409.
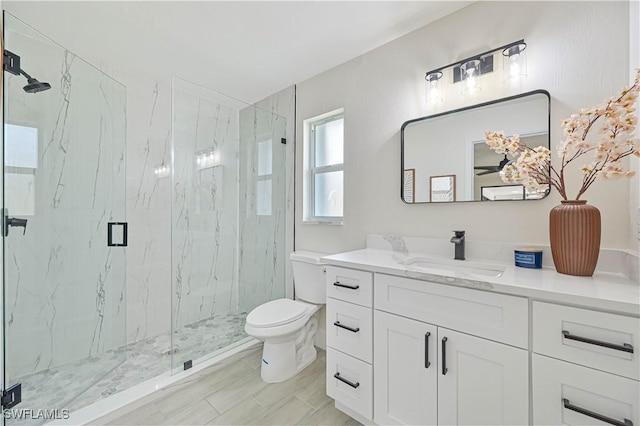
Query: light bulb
column 470, row 71
column 514, row 66
column 471, row 78
column 433, row 91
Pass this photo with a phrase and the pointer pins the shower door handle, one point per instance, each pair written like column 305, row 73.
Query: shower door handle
column 13, row 221
column 117, row 234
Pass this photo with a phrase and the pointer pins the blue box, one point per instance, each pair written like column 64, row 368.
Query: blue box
column 528, row 258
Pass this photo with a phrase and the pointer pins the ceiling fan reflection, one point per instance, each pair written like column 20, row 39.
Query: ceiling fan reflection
column 493, row 169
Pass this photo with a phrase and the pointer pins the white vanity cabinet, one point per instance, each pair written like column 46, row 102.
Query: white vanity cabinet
column 405, row 371
column 350, row 340
column 585, row 366
column 403, row 350
column 429, row 374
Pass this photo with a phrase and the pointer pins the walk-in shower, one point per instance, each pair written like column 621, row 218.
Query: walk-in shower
column 64, row 173
column 67, row 329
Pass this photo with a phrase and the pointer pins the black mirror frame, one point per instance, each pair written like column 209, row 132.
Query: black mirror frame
column 483, row 104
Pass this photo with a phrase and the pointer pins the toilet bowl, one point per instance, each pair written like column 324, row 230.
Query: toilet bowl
column 288, row 327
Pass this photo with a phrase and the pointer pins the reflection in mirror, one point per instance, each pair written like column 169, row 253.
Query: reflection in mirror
column 409, row 185
column 443, row 188
column 451, row 144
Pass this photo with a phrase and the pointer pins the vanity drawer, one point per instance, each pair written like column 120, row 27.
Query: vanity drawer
column 494, row 316
column 599, row 340
column 350, row 329
column 565, row 393
column 350, row 285
column 355, row 390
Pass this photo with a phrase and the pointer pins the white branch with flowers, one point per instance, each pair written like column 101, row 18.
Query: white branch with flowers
column 614, row 122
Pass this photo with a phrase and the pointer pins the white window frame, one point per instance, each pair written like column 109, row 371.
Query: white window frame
column 266, row 176
column 311, row 171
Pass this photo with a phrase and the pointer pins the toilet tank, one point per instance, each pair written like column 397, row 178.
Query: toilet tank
column 308, row 276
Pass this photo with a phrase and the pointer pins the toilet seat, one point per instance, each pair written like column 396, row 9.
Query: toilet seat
column 276, row 313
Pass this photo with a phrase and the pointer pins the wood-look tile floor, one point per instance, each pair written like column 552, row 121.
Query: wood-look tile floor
column 232, row 393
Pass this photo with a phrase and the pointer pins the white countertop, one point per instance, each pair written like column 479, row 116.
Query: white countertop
column 607, row 291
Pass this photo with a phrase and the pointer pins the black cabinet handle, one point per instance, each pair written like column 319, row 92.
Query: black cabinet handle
column 353, row 385
column 567, row 404
column 625, row 347
column 444, row 356
column 426, row 350
column 350, row 287
column 353, row 330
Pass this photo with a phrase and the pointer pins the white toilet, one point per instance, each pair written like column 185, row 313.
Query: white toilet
column 288, row 327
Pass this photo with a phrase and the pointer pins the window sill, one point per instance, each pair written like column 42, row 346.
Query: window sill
column 322, row 222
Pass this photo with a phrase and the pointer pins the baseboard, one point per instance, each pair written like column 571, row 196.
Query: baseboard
column 349, row 412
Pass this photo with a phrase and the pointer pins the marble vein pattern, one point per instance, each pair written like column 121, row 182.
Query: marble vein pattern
column 148, row 213
column 610, row 260
column 79, row 384
column 63, row 284
column 204, row 205
column 262, row 207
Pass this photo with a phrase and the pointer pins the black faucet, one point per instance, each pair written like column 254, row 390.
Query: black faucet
column 458, row 240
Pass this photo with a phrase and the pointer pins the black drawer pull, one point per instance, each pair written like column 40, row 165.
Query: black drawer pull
column 346, row 327
column 444, row 356
column 353, row 385
column 600, row 417
column 426, row 350
column 350, row 287
column 625, row 347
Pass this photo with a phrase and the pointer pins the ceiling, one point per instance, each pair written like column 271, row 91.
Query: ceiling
column 244, row 49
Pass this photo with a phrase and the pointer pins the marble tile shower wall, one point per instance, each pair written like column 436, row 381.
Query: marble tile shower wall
column 148, row 208
column 63, row 283
column 149, row 286
column 204, row 239
column 266, row 236
column 262, row 207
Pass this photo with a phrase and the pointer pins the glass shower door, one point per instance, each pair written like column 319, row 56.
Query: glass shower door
column 64, row 188
column 228, row 213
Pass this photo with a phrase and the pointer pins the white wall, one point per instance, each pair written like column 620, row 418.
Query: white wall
column 579, row 52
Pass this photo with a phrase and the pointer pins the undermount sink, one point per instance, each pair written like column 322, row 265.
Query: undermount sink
column 476, row 268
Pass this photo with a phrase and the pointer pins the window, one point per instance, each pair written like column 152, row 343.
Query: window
column 324, row 168
column 264, row 178
column 21, row 163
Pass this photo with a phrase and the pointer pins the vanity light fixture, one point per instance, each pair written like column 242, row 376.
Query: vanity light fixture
column 433, row 91
column 469, row 70
column 207, row 158
column 162, row 171
column 514, row 60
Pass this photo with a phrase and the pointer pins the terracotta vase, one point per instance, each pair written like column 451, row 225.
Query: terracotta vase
column 574, row 231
